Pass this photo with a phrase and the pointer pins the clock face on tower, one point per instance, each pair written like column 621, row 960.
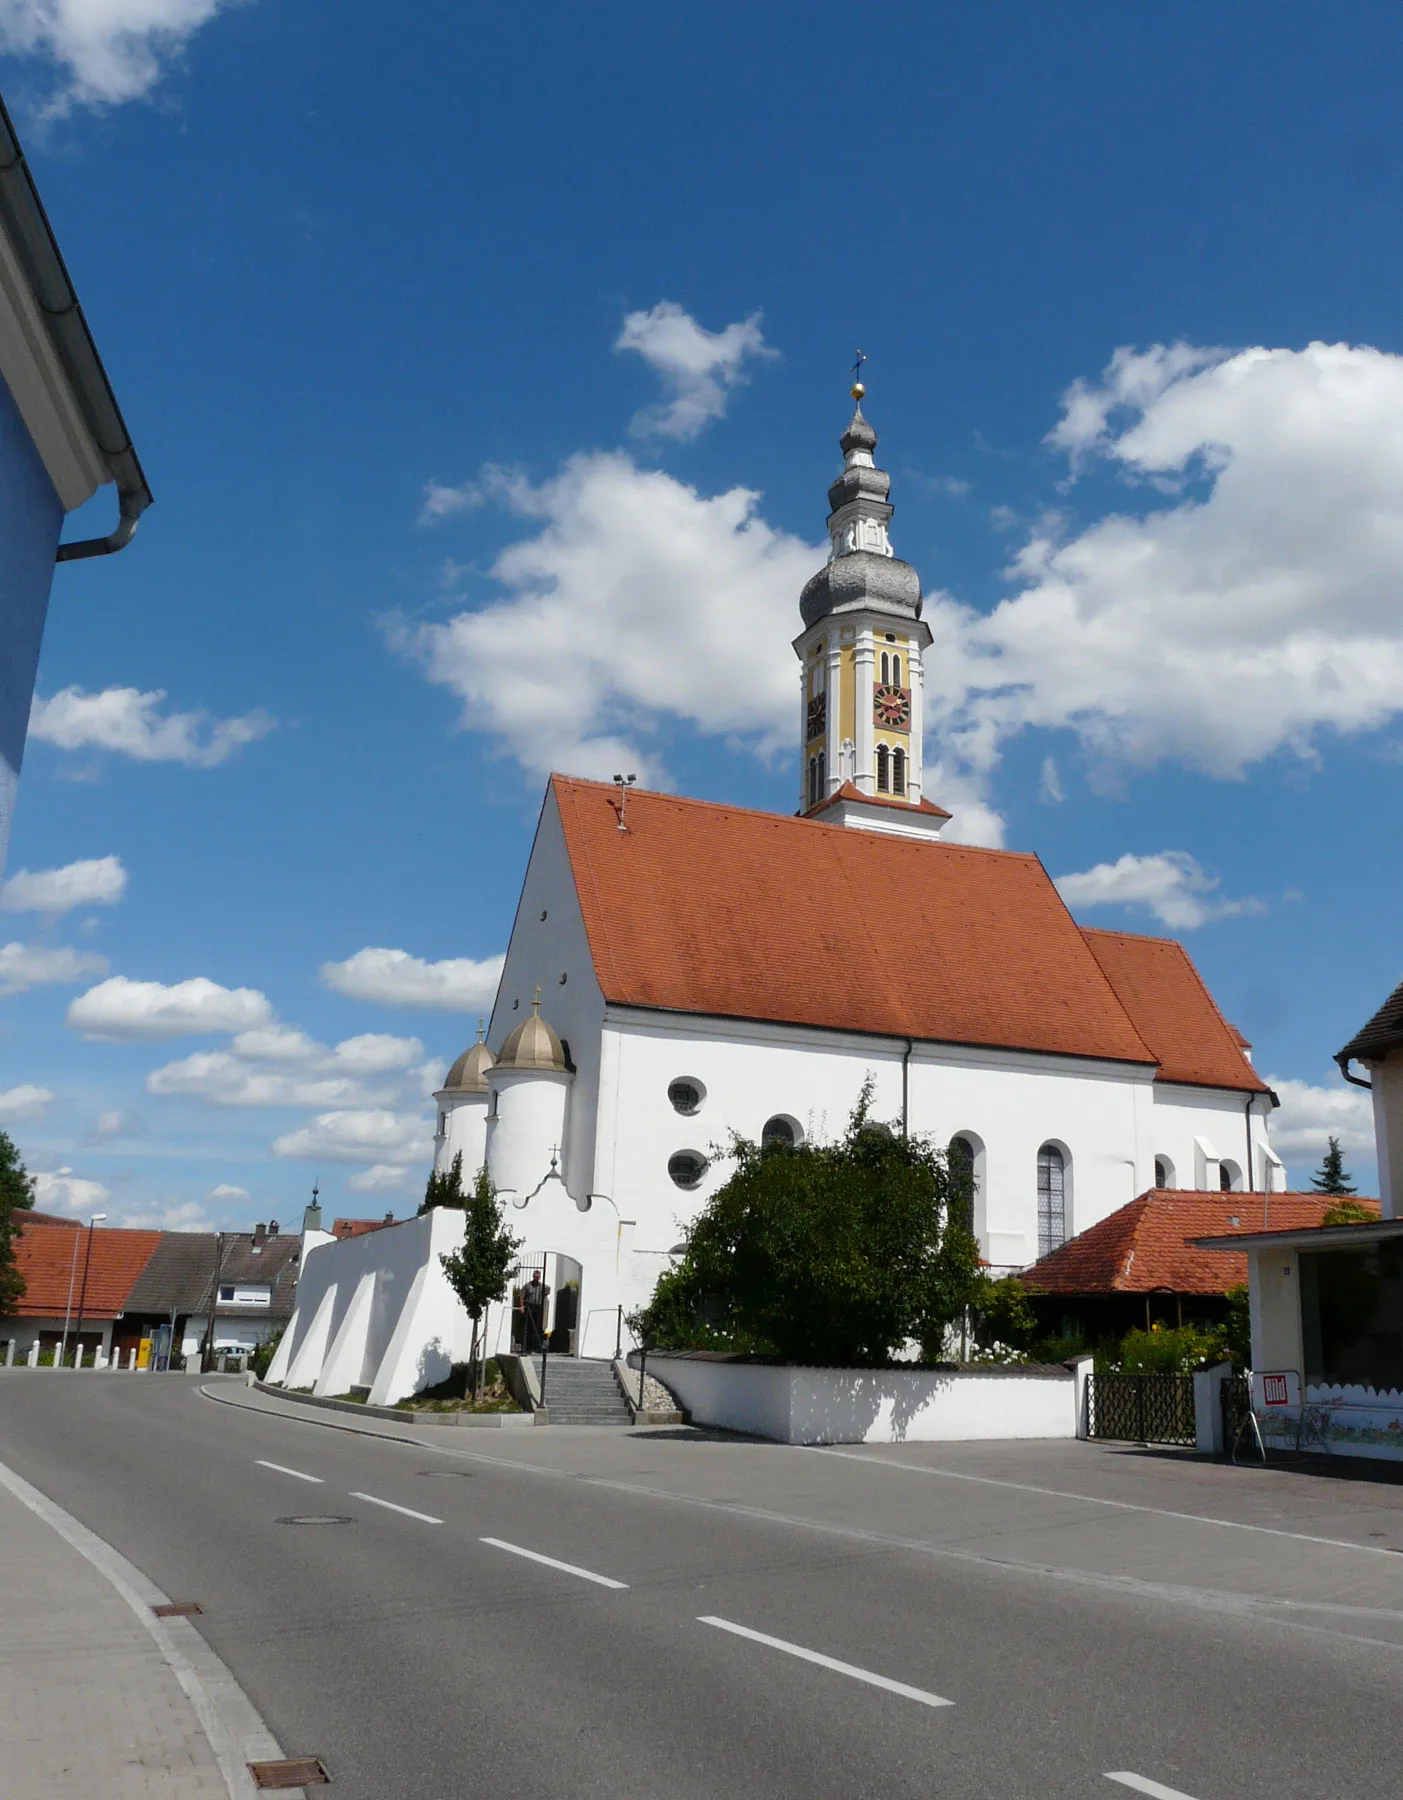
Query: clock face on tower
column 891, row 706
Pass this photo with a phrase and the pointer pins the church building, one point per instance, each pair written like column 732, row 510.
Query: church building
column 679, row 971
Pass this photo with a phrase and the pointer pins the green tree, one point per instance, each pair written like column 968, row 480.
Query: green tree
column 16, row 1196
column 1001, row 1313
column 445, row 1187
column 1330, row 1177
column 478, row 1271
column 821, row 1253
column 1349, row 1212
column 1237, row 1329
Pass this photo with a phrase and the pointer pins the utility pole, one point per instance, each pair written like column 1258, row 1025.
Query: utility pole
column 83, row 1291
column 207, row 1359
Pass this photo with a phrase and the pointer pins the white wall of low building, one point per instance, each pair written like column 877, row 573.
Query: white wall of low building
column 1387, row 1079
column 1198, row 1130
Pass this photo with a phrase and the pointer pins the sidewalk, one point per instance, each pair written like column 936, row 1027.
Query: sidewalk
column 90, row 1702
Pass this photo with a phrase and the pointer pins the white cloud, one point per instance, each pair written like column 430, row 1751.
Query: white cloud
column 395, row 978
column 368, row 1135
column 99, row 881
column 1171, row 885
column 129, row 722
column 278, row 1066
column 24, row 1102
column 225, row 1080
column 108, row 50
column 177, row 1215
column 637, row 600
column 1309, row 1115
column 442, row 502
column 1050, row 789
column 226, row 1191
column 24, row 966
column 120, row 1009
column 60, row 1190
column 110, row 1124
column 381, row 1178
column 1249, row 615
column 696, row 366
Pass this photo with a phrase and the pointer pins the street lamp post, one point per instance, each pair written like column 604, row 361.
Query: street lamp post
column 96, row 1219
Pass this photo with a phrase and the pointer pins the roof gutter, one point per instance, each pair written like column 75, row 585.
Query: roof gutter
column 1355, row 1080
column 25, row 222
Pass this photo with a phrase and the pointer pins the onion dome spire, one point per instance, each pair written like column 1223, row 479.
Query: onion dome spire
column 863, row 571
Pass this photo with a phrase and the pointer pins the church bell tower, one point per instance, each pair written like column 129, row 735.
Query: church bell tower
column 860, row 659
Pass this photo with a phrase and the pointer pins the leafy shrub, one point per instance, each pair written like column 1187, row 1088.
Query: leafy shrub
column 1169, row 1350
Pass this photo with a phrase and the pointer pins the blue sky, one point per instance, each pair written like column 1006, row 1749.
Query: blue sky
column 488, row 365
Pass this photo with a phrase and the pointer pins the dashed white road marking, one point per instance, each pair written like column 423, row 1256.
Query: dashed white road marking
column 552, row 1563
column 390, row 1506
column 830, row 1662
column 1143, row 1785
column 282, row 1469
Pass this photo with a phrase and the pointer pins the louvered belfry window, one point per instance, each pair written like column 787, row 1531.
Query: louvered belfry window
column 1052, row 1199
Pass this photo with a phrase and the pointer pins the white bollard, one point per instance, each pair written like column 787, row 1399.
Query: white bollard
column 99, row 1358
column 10, row 1354
column 34, row 1354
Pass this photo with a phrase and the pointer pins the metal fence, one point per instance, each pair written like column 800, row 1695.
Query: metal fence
column 1142, row 1409
column 1236, row 1399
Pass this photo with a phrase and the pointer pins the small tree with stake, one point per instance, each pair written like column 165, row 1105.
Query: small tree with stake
column 478, row 1271
column 1330, row 1177
column 16, row 1196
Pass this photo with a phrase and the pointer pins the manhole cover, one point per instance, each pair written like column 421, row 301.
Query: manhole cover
column 317, row 1519
column 296, row 1771
column 456, row 1474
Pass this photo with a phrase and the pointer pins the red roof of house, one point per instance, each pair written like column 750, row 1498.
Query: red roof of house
column 1144, row 1247
column 51, row 1259
column 350, row 1228
column 30, row 1217
column 720, row 910
column 1174, row 1012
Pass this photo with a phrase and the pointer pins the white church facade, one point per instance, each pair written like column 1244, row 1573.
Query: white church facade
column 680, row 971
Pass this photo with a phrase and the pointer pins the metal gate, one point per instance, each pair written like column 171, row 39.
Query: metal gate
column 1236, row 1399
column 1142, row 1409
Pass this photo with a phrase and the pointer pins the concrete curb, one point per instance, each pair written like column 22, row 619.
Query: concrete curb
column 408, row 1415
column 236, row 1733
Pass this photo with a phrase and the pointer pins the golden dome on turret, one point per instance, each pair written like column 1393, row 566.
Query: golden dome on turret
column 533, row 1045
column 469, row 1074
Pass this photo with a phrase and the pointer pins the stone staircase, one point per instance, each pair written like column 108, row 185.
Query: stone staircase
column 582, row 1391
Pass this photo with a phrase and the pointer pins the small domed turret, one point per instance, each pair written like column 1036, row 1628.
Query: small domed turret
column 469, row 1074
column 533, row 1045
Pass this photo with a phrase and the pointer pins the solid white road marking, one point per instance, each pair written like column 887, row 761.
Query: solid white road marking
column 551, row 1563
column 390, row 1506
column 282, row 1469
column 829, row 1662
column 1155, row 1789
column 1160, row 1512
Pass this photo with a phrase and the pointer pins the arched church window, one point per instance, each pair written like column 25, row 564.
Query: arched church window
column 898, row 772
column 1164, row 1172
column 1052, row 1199
column 781, row 1129
column 896, row 668
column 1229, row 1176
column 886, row 669
column 443, row 1124
column 960, row 1162
column 883, row 769
column 686, row 1167
column 822, row 775
column 813, row 781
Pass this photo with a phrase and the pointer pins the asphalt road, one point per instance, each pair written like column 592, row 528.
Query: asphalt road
column 580, row 1613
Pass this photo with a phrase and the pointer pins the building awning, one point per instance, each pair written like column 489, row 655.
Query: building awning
column 1318, row 1237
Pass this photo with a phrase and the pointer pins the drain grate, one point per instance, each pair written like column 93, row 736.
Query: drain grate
column 178, row 1609
column 453, row 1474
column 297, row 1771
column 317, row 1519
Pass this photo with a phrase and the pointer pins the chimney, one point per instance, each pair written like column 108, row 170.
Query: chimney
column 260, row 1235
column 389, row 1218
column 272, row 1228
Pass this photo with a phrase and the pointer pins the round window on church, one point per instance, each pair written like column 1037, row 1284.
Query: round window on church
column 781, row 1130
column 686, row 1167
column 686, row 1096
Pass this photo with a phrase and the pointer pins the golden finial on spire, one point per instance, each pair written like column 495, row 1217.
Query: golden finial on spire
column 858, row 390
column 479, row 1029
column 536, row 1003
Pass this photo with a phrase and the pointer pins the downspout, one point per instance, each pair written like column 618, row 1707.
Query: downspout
column 26, row 224
column 1356, row 1080
column 906, row 1087
column 1251, row 1177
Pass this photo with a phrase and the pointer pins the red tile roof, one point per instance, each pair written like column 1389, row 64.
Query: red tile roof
column 47, row 1256
column 350, row 1228
column 1173, row 1011
column 30, row 1217
column 851, row 791
column 1143, row 1247
column 719, row 910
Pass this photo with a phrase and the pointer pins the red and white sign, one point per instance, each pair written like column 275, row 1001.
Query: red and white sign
column 1275, row 1390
